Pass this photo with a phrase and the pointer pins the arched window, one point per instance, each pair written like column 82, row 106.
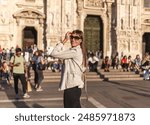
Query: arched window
column 147, row 3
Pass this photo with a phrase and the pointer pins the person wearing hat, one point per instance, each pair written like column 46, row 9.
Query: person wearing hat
column 18, row 63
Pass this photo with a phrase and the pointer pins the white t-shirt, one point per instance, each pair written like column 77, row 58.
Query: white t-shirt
column 93, row 59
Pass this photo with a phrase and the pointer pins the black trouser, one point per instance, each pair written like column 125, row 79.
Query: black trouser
column 125, row 66
column 35, row 76
column 39, row 76
column 93, row 66
column 23, row 82
column 72, row 97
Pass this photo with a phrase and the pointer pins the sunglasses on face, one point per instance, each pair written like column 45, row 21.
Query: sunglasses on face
column 75, row 37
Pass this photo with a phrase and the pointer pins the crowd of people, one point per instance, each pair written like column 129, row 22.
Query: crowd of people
column 16, row 63
column 125, row 63
column 30, row 54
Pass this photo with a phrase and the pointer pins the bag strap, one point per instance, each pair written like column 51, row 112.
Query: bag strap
column 84, row 80
column 14, row 59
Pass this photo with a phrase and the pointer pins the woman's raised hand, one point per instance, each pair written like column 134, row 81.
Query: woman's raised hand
column 67, row 37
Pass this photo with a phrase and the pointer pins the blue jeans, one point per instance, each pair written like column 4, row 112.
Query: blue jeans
column 146, row 74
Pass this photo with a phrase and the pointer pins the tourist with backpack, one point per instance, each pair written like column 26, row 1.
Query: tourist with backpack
column 18, row 63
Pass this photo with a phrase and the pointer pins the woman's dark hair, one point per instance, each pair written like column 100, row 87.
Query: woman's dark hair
column 80, row 33
column 39, row 52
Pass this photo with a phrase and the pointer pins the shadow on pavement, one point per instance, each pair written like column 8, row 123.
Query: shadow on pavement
column 8, row 94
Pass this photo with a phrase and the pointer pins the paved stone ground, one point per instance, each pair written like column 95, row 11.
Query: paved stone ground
column 109, row 94
column 49, row 98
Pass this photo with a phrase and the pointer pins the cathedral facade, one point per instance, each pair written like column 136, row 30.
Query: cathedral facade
column 109, row 25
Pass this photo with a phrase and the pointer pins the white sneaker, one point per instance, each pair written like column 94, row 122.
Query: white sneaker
column 26, row 95
column 39, row 89
column 36, row 86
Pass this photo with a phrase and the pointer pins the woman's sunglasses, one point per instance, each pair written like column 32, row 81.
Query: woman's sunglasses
column 75, row 37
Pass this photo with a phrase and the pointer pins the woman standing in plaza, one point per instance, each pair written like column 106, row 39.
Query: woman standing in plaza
column 74, row 59
column 40, row 76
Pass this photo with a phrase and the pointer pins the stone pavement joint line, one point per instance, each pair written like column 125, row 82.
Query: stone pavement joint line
column 96, row 103
column 90, row 99
column 30, row 100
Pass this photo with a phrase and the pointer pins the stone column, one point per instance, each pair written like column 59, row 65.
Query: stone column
column 19, row 40
column 40, row 43
column 108, row 40
column 81, row 16
column 105, row 34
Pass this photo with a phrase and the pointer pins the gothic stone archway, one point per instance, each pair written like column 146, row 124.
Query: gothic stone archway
column 30, row 18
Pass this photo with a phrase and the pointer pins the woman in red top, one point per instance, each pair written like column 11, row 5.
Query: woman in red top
column 124, row 63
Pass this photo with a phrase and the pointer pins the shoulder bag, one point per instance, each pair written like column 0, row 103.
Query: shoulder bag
column 83, row 70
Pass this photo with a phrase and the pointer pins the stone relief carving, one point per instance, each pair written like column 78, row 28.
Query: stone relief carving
column 135, row 24
column 147, row 21
column 57, row 22
column 3, row 38
column 53, row 22
column 68, row 13
column 51, row 18
column 128, row 34
column 134, row 46
column 123, row 45
column 68, row 17
column 135, row 2
column 11, row 37
column 17, row 21
column 136, row 34
column 94, row 3
column 29, row 21
column 146, row 28
column 79, row 5
column 147, row 9
column 122, row 2
column 122, row 23
column 121, row 33
column 4, row 17
column 30, row 14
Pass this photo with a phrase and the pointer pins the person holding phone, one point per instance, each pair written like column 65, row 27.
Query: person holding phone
column 18, row 63
column 73, row 59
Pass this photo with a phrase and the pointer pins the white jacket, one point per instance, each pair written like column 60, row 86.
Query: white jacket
column 71, row 73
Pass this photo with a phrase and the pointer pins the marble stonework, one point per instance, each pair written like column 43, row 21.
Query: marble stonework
column 125, row 21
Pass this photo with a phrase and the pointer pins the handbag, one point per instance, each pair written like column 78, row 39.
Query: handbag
column 41, row 66
column 29, row 88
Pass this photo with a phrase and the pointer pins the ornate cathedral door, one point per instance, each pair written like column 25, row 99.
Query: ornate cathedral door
column 146, row 43
column 93, row 33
